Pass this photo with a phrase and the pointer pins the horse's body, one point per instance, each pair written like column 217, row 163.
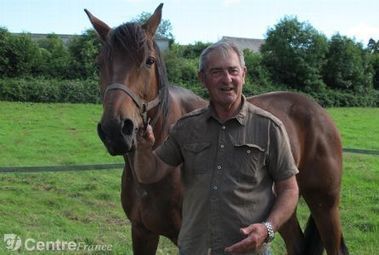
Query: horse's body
column 131, row 63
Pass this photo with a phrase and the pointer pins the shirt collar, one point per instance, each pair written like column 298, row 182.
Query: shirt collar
column 240, row 116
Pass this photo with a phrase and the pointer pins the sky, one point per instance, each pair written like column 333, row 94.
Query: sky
column 197, row 20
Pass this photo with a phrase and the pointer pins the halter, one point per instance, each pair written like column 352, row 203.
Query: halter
column 142, row 105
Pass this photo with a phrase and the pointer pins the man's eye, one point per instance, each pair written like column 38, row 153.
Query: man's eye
column 216, row 72
column 234, row 71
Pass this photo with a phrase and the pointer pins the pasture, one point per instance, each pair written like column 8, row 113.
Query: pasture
column 84, row 207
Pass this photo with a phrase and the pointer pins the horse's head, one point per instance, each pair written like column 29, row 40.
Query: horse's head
column 130, row 70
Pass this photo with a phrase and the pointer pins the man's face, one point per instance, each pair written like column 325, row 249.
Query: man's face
column 224, row 78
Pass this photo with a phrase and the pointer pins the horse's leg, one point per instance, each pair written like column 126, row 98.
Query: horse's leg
column 322, row 196
column 327, row 221
column 144, row 241
column 293, row 236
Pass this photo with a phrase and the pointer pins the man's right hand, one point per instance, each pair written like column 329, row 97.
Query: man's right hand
column 145, row 138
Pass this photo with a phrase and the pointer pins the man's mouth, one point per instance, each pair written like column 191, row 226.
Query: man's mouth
column 226, row 89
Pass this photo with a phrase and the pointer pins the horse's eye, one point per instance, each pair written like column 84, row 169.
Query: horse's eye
column 150, row 61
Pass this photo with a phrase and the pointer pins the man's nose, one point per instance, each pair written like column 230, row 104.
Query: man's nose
column 226, row 76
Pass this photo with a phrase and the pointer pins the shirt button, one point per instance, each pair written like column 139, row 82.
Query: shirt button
column 248, row 151
column 219, row 167
column 215, row 187
column 223, row 127
column 222, row 146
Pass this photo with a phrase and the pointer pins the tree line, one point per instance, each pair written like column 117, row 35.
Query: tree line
column 295, row 56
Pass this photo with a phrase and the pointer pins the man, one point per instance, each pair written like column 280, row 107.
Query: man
column 237, row 168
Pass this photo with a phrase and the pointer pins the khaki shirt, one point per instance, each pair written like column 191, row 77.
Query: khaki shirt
column 228, row 170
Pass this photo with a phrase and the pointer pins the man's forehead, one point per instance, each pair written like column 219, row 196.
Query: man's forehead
column 223, row 59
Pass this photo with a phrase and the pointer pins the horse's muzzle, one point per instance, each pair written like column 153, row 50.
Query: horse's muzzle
column 117, row 136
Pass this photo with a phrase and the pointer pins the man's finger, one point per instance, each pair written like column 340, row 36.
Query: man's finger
column 247, row 230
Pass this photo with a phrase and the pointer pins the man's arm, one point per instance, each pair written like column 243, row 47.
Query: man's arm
column 147, row 165
column 285, row 203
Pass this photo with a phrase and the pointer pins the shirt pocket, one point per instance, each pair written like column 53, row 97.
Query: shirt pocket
column 197, row 157
column 251, row 161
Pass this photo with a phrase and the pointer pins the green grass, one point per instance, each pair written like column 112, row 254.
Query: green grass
column 43, row 134
column 85, row 206
column 359, row 127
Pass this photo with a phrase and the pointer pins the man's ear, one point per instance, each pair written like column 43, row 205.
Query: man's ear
column 201, row 77
column 244, row 72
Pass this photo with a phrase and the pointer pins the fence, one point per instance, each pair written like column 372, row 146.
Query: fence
column 34, row 169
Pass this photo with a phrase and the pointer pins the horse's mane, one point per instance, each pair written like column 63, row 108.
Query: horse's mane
column 132, row 39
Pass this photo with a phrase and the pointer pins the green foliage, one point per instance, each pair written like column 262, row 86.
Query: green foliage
column 49, row 90
column 340, row 98
column 164, row 29
column 4, row 50
column 374, row 63
column 193, row 51
column 83, row 50
column 373, row 46
column 336, row 72
column 55, row 57
column 23, row 56
column 256, row 71
column 346, row 66
column 183, row 70
column 294, row 53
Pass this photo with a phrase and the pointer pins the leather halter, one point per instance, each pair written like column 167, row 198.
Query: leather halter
column 142, row 105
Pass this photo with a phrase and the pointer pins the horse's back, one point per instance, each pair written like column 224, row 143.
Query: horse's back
column 185, row 100
column 313, row 135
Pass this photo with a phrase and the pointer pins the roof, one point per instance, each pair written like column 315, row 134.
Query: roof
column 245, row 43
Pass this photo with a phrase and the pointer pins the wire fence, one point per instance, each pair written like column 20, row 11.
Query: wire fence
column 34, row 169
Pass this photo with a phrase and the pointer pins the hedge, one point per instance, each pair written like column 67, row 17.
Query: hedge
column 87, row 91
column 44, row 90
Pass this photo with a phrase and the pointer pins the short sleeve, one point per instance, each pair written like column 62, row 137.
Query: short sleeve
column 169, row 151
column 281, row 162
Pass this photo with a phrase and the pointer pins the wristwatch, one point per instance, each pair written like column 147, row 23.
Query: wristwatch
column 270, row 231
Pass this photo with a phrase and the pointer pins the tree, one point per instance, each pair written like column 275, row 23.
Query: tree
column 374, row 63
column 347, row 65
column 373, row 46
column 256, row 72
column 4, row 50
column 24, row 56
column 294, row 54
column 55, row 55
column 83, row 50
column 164, row 30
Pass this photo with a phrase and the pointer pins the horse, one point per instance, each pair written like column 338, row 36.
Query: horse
column 135, row 89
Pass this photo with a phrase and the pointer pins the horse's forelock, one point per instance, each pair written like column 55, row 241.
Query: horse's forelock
column 131, row 38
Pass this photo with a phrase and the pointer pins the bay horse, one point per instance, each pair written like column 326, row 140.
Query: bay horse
column 135, row 90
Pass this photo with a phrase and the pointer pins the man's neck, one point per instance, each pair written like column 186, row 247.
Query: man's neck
column 227, row 112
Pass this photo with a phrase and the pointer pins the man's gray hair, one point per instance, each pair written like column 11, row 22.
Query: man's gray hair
column 223, row 46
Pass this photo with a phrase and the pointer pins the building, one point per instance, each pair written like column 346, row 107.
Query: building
column 245, row 43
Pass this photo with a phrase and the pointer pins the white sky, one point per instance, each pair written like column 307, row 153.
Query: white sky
column 195, row 20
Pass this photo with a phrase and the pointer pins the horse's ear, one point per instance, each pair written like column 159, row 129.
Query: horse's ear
column 153, row 22
column 101, row 28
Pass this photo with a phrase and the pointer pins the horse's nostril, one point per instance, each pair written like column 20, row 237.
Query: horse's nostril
column 127, row 127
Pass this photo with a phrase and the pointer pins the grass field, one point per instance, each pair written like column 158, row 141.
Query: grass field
column 84, row 207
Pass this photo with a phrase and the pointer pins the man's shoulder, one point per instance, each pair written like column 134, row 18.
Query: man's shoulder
column 192, row 116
